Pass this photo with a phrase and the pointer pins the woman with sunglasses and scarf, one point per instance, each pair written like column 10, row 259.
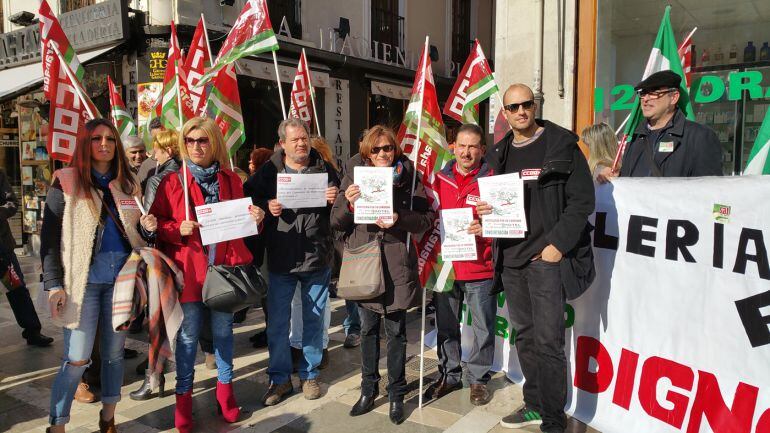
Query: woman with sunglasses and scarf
column 399, row 265
column 208, row 181
column 91, row 224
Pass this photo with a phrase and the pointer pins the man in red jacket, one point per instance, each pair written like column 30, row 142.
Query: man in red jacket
column 457, row 188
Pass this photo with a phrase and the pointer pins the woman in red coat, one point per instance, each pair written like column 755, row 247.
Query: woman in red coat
column 208, row 181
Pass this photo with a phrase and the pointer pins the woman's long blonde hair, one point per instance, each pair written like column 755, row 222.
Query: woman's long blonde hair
column 602, row 144
column 212, row 131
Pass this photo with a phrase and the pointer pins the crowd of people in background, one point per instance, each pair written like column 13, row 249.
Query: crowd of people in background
column 91, row 226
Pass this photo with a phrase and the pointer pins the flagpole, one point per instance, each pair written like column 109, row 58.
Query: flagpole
column 502, row 107
column 278, row 81
column 184, row 162
column 75, row 82
column 206, row 37
column 411, row 206
column 312, row 97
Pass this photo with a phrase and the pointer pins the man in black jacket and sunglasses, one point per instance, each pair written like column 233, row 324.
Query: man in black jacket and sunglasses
column 552, row 262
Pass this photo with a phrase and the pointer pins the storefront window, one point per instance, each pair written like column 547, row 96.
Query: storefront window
column 730, row 65
column 386, row 111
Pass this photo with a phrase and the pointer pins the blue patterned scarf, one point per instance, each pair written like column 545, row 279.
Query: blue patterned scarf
column 207, row 180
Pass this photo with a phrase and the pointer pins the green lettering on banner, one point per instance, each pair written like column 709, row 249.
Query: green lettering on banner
column 570, row 319
column 500, row 299
column 512, row 342
column 501, row 327
column 752, row 85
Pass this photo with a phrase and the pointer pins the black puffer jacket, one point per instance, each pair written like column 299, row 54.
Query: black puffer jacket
column 399, row 266
column 567, row 191
column 298, row 240
column 152, row 182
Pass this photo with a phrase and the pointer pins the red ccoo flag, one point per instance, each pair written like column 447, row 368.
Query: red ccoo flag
column 197, row 62
column 70, row 109
column 301, row 99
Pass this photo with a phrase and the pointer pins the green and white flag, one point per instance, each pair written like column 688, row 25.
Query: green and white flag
column 758, row 162
column 664, row 56
column 121, row 118
column 252, row 33
column 224, row 106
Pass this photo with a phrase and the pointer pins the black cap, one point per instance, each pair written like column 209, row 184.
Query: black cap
column 664, row 79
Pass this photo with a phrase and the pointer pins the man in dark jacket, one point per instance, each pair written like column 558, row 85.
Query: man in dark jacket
column 458, row 187
column 667, row 144
column 11, row 275
column 553, row 261
column 299, row 250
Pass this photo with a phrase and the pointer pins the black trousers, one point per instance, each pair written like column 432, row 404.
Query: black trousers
column 21, row 303
column 535, row 301
column 395, row 330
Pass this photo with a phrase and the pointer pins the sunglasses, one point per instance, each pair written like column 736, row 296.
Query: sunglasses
column 202, row 142
column 387, row 148
column 515, row 107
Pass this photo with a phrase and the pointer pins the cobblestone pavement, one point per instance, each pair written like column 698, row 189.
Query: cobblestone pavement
column 27, row 373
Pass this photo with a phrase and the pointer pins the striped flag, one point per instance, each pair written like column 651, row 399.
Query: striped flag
column 474, row 84
column 175, row 89
column 686, row 57
column 52, row 32
column 429, row 154
column 301, row 101
column 197, row 62
column 224, row 106
column 759, row 162
column 252, row 33
column 121, row 118
column 664, row 56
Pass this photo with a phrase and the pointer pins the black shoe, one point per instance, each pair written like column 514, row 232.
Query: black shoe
column 130, row 353
column 396, row 412
column 259, row 340
column 142, row 366
column 365, row 404
column 441, row 388
column 145, row 390
column 35, row 338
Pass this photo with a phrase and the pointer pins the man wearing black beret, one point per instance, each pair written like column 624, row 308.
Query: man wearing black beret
column 667, row 144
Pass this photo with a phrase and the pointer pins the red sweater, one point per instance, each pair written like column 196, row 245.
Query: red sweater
column 187, row 252
column 456, row 191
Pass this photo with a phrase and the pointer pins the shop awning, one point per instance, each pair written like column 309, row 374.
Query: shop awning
column 266, row 71
column 16, row 81
column 391, row 90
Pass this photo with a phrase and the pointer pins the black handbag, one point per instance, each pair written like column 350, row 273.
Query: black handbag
column 229, row 289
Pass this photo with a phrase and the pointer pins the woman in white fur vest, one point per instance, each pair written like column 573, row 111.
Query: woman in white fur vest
column 90, row 226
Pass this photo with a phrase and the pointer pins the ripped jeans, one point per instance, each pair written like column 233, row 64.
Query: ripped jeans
column 96, row 310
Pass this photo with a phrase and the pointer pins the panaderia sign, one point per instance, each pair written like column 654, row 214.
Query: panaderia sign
column 86, row 28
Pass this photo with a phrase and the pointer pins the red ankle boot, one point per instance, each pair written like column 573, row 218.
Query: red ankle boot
column 226, row 404
column 183, row 412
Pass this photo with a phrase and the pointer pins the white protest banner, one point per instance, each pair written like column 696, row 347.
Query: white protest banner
column 297, row 191
column 225, row 221
column 456, row 243
column 673, row 335
column 506, row 195
column 376, row 200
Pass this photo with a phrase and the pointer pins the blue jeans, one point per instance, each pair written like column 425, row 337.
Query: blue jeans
column 314, row 288
column 187, row 344
column 352, row 322
column 96, row 310
column 295, row 327
column 482, row 310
